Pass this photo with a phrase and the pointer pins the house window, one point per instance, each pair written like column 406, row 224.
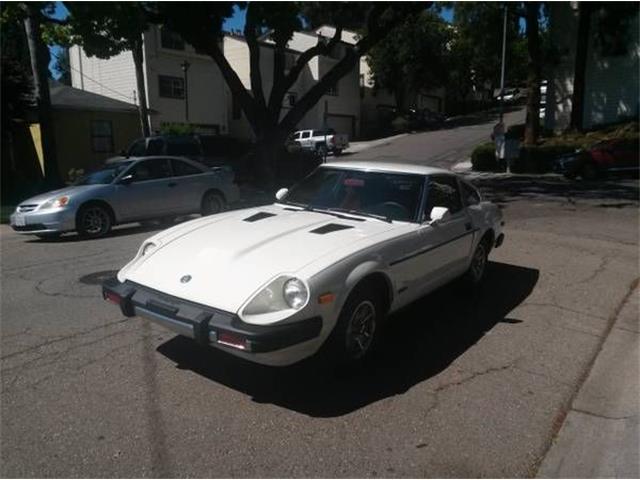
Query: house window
column 101, row 136
column 333, row 91
column 171, row 40
column 171, row 87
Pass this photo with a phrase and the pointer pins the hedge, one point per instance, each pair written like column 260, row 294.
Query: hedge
column 483, row 158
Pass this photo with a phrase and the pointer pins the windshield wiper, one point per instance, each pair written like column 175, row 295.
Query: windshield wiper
column 384, row 218
column 327, row 211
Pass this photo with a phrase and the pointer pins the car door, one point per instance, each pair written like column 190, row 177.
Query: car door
column 305, row 138
column 149, row 193
column 190, row 183
column 437, row 251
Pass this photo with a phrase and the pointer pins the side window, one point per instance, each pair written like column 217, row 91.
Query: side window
column 183, row 146
column 151, row 170
column 443, row 192
column 180, row 168
column 155, row 146
column 470, row 194
column 306, row 134
column 138, row 149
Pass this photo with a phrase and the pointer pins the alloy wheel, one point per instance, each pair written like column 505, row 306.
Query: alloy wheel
column 360, row 330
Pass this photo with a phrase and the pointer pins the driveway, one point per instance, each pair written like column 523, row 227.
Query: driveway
column 465, row 384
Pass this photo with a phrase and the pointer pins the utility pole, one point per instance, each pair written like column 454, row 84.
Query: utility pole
column 185, row 68
column 504, row 50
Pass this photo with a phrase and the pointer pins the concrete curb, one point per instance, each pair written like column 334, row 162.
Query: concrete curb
column 600, row 437
column 356, row 147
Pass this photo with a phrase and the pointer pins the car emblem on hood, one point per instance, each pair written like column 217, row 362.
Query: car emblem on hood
column 185, row 279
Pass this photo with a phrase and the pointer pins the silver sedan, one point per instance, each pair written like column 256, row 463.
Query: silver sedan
column 128, row 190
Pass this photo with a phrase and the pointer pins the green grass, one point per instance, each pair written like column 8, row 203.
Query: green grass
column 5, row 211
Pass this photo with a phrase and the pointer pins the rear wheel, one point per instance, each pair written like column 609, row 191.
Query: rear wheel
column 337, row 152
column 93, row 221
column 212, row 203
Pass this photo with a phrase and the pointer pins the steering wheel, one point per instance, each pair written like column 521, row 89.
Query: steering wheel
column 392, row 209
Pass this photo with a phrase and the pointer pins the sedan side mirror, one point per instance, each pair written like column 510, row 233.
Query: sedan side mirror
column 280, row 194
column 439, row 214
column 126, row 180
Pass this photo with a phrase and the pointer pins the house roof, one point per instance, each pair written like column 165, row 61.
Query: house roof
column 66, row 97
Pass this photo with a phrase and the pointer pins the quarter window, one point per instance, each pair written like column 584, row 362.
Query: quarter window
column 443, row 192
column 170, row 87
column 101, row 136
column 470, row 194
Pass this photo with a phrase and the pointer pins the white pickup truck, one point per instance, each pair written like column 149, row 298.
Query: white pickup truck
column 320, row 141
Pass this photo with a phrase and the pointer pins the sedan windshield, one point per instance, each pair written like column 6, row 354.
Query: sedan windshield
column 393, row 196
column 104, row 175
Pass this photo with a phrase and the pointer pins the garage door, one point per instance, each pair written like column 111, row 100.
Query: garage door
column 342, row 124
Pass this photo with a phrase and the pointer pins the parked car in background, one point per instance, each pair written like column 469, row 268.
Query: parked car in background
column 607, row 157
column 320, row 141
column 424, row 118
column 319, row 269
column 128, row 190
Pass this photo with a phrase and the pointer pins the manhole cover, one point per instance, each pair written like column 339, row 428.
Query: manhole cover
column 97, row 278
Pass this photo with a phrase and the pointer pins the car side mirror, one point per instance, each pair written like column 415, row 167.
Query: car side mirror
column 439, row 215
column 280, row 194
column 126, row 180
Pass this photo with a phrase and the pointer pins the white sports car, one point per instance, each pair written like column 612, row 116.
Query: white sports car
column 318, row 269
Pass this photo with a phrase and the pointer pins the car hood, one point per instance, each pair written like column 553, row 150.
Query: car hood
column 70, row 191
column 230, row 257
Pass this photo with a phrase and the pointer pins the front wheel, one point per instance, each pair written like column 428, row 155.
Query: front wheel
column 478, row 265
column 212, row 203
column 93, row 221
column 355, row 333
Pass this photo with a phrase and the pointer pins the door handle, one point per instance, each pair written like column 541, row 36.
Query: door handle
column 172, row 184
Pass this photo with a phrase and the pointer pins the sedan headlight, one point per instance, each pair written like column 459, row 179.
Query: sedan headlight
column 284, row 293
column 56, row 202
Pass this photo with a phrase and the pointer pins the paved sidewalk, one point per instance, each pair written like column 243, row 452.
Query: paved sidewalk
column 355, row 147
column 600, row 437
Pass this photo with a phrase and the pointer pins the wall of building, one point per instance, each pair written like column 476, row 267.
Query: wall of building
column 611, row 82
column 73, row 133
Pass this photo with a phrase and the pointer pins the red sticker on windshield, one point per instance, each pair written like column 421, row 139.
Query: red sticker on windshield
column 354, row 182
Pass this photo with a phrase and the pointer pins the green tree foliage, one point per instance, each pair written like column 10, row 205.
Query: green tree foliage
column 414, row 57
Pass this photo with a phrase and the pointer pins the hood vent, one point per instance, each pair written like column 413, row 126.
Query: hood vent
column 331, row 227
column 259, row 216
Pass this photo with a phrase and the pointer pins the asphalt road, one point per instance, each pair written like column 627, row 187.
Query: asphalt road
column 464, row 384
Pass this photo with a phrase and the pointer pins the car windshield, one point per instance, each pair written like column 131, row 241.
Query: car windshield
column 104, row 175
column 393, row 196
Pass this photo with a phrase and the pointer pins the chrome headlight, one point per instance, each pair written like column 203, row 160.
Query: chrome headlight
column 56, row 202
column 284, row 293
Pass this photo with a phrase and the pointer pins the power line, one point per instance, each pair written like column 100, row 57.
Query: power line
column 100, row 84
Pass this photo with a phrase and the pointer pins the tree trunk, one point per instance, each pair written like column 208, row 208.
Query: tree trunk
column 580, row 70
column 532, row 124
column 39, row 68
column 138, row 61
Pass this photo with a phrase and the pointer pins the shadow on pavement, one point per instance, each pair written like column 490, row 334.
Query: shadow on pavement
column 418, row 343
column 505, row 189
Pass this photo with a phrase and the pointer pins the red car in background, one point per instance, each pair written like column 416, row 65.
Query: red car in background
column 606, row 157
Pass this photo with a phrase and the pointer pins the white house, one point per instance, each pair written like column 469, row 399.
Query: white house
column 342, row 103
column 200, row 102
column 612, row 82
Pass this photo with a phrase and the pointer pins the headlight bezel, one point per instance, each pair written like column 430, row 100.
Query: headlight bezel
column 268, row 304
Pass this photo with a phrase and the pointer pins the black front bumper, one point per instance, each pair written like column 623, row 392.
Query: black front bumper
column 205, row 324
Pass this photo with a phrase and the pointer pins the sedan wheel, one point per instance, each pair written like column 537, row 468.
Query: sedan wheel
column 212, row 203
column 93, row 221
column 478, row 263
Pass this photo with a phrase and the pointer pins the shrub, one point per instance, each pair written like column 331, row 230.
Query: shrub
column 483, row 158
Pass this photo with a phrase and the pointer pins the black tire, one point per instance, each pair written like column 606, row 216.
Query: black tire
column 93, row 221
column 212, row 203
column 321, row 150
column 355, row 334
column 478, row 266
column 337, row 152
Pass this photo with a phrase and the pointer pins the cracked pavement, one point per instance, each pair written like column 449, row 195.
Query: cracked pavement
column 464, row 385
